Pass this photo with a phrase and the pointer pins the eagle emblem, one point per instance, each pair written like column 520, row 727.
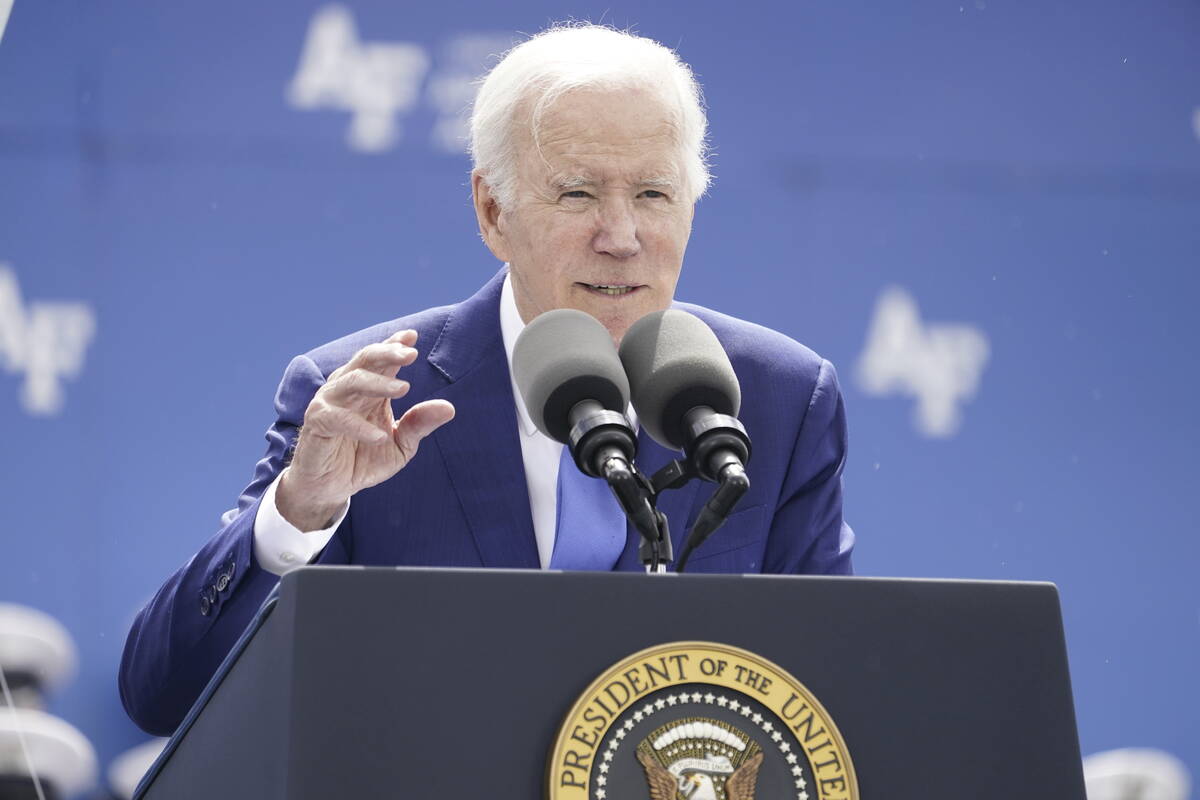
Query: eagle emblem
column 698, row 721
column 700, row 759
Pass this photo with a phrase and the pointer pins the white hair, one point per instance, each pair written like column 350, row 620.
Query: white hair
column 535, row 73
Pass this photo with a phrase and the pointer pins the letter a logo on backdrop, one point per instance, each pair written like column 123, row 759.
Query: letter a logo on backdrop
column 45, row 342
column 381, row 82
column 373, row 80
column 938, row 364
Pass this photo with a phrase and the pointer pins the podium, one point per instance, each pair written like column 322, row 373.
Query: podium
column 394, row 682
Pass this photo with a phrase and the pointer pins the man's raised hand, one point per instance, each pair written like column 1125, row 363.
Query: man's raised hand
column 350, row 439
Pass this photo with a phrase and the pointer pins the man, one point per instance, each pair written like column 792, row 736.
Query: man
column 589, row 157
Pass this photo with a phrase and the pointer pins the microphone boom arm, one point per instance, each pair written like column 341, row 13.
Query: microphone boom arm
column 636, row 497
column 717, row 449
column 603, row 446
column 733, row 484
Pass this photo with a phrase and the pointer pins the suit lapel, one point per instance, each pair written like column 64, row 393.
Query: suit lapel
column 480, row 446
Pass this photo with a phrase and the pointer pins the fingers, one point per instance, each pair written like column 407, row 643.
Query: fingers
column 385, row 357
column 370, row 375
column 360, row 385
column 337, row 421
column 395, row 351
column 418, row 422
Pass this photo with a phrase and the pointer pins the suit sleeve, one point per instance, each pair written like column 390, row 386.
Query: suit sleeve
column 808, row 534
column 181, row 636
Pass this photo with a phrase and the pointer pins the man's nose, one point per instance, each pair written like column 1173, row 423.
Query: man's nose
column 617, row 231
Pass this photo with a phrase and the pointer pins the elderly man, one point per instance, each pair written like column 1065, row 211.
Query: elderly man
column 589, row 157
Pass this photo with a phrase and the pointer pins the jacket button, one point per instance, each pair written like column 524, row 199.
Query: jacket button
column 205, row 605
column 223, row 582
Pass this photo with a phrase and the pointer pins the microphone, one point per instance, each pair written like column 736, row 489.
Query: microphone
column 687, row 397
column 685, row 390
column 575, row 389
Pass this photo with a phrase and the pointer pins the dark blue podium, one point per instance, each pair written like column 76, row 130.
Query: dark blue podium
column 374, row 682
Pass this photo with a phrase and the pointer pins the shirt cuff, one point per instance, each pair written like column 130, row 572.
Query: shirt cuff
column 279, row 546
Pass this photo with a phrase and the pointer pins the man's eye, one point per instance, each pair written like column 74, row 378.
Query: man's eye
column 653, row 194
column 576, row 193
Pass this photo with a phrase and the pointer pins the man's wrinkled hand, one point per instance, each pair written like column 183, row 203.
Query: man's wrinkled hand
column 350, row 439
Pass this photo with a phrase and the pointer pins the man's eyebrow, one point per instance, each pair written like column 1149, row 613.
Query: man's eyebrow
column 657, row 182
column 568, row 182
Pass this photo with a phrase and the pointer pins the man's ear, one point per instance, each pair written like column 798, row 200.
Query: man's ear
column 487, row 213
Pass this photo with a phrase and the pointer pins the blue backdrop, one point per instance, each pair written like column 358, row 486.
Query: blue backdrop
column 987, row 214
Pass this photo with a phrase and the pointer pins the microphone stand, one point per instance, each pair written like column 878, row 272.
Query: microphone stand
column 732, row 484
column 717, row 450
column 603, row 446
column 637, row 498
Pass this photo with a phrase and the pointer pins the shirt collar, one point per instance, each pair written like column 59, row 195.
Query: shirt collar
column 511, row 326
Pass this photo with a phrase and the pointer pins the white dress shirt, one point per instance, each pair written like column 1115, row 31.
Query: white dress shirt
column 279, row 546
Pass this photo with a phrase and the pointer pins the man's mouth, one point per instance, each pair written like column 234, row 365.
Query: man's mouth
column 611, row 289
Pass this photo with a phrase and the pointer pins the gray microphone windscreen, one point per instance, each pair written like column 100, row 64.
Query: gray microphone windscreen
column 562, row 357
column 675, row 363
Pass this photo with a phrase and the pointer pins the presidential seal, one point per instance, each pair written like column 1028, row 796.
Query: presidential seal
column 699, row 721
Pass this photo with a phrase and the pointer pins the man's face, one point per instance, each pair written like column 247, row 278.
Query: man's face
column 602, row 214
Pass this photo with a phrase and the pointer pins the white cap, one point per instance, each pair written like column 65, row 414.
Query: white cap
column 35, row 643
column 127, row 769
column 1153, row 774
column 59, row 753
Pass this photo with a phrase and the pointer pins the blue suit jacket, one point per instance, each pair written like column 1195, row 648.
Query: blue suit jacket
column 463, row 500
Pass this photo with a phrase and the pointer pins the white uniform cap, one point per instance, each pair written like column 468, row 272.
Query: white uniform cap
column 1156, row 774
column 37, row 644
column 59, row 753
column 127, row 769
